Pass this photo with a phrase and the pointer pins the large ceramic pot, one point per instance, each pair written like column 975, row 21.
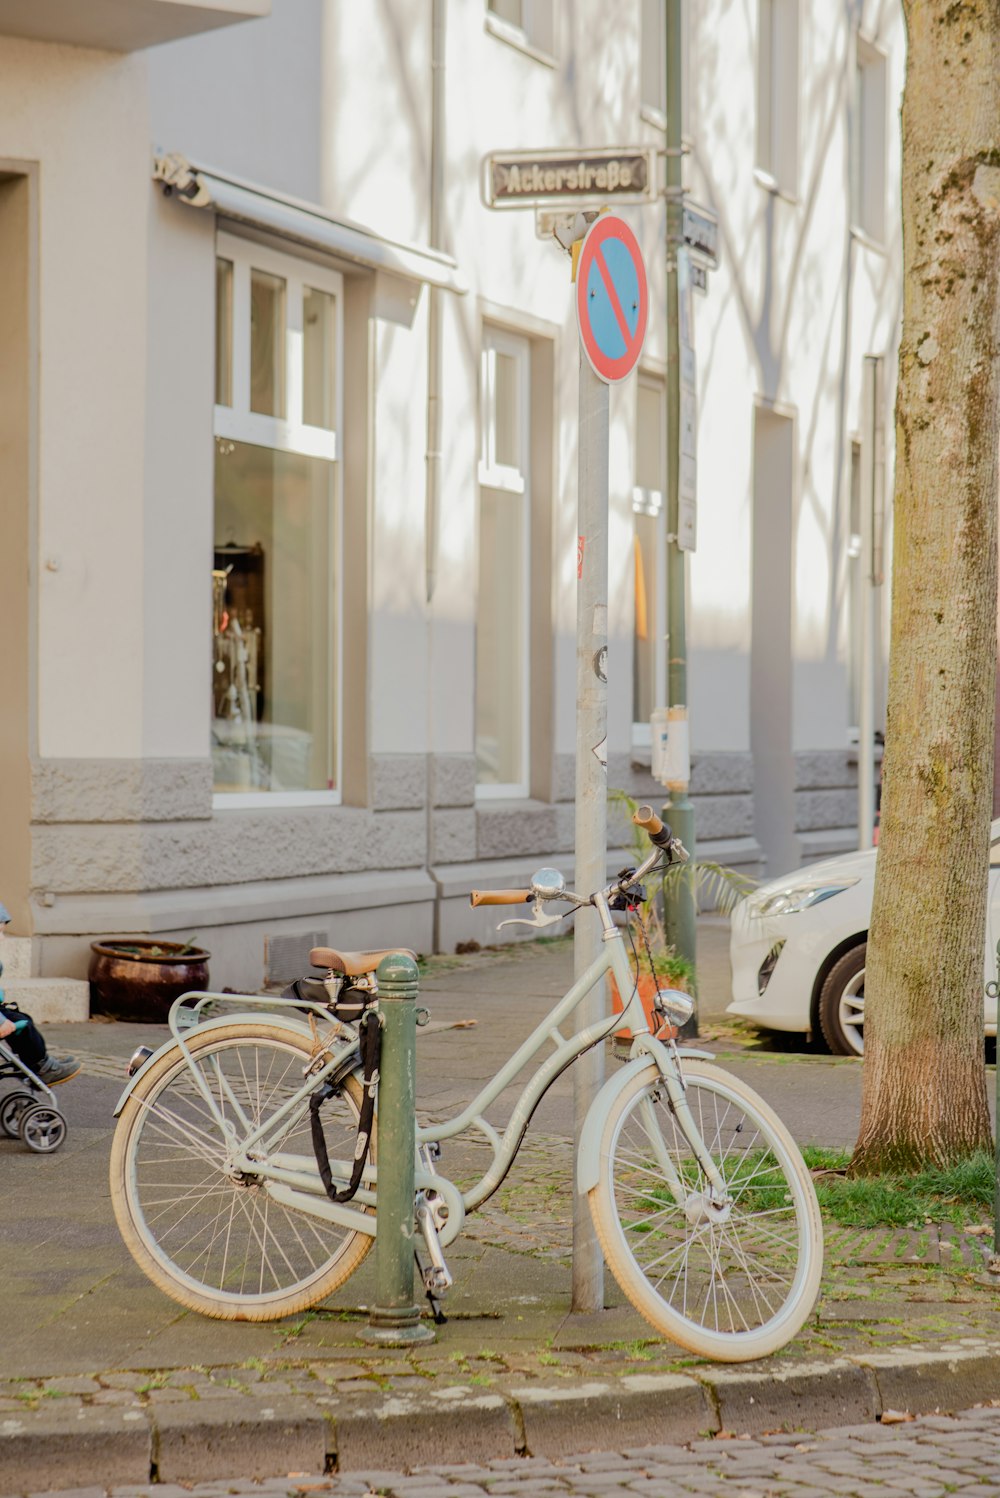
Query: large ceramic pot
column 139, row 979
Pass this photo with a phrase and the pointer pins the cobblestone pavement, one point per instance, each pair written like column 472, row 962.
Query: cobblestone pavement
column 923, row 1458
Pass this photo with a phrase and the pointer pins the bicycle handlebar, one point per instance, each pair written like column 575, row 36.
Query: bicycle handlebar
column 659, row 832
column 500, row 897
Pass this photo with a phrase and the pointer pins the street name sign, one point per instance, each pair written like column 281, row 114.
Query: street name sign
column 612, row 298
column 523, row 179
column 700, row 232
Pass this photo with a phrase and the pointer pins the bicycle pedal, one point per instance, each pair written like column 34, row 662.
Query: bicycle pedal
column 437, row 1280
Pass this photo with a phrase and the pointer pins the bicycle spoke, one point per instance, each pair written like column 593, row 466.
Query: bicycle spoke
column 731, row 1269
column 227, row 1233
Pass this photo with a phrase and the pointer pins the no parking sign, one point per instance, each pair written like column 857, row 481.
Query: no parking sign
column 612, row 298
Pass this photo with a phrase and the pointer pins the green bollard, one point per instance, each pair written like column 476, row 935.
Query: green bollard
column 679, row 912
column 394, row 1318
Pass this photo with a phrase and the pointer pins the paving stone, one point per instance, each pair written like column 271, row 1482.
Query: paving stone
column 74, row 1448
column 72, row 1385
column 255, row 1437
column 409, row 1430
column 78, row 1493
column 565, row 1421
column 807, row 1396
column 926, row 1382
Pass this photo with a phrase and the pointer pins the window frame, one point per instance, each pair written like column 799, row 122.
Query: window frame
column 514, row 481
column 779, row 172
column 868, row 186
column 535, row 36
column 654, row 111
column 238, row 423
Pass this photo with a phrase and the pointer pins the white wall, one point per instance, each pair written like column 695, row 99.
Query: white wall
column 81, row 114
column 247, row 99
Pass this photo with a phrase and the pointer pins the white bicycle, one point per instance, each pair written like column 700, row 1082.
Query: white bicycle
column 703, row 1205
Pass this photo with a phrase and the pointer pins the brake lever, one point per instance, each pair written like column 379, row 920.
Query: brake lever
column 538, row 921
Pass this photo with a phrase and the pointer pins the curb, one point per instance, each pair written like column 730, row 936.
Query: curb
column 251, row 1436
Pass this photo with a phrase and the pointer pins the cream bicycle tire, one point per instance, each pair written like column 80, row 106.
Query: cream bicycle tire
column 319, row 1279
column 780, row 1297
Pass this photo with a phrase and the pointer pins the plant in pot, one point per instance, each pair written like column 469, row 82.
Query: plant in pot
column 138, row 978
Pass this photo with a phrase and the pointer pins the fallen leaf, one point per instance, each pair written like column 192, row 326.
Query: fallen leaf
column 896, row 1417
column 980, row 1231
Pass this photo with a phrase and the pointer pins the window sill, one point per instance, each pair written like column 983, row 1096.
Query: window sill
column 518, row 39
column 260, row 800
column 490, row 795
column 772, row 185
column 862, row 237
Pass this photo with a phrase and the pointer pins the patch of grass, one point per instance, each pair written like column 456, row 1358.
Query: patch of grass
column 958, row 1194
column 158, row 1381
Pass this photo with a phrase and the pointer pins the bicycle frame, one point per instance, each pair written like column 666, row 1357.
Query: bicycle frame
column 294, row 1181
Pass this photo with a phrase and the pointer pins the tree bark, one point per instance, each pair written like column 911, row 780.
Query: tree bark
column 924, row 1097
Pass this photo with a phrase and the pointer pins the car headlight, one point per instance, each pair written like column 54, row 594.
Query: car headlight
column 799, row 897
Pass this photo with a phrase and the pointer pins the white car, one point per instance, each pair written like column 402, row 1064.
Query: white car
column 797, row 949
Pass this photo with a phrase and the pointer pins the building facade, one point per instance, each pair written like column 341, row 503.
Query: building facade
column 289, row 448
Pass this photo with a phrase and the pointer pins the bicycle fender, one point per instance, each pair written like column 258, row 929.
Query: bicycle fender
column 588, row 1155
column 278, row 1022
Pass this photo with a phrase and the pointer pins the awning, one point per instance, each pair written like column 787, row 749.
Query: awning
column 305, row 223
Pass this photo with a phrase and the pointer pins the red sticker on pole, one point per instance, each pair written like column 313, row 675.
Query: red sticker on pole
column 612, row 298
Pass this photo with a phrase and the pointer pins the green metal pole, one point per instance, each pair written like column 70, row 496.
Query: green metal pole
column 394, row 1318
column 679, row 902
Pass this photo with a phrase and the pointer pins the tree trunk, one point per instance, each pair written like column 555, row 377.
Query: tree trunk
column 924, row 1093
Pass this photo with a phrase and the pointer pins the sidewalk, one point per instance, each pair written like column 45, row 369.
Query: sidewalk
column 104, row 1380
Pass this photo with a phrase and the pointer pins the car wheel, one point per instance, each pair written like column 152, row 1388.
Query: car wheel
column 842, row 1004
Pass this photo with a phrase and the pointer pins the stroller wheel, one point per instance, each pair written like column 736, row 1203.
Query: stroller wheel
column 42, row 1128
column 11, row 1108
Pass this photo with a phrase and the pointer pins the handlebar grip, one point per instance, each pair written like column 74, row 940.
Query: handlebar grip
column 500, row 897
column 659, row 832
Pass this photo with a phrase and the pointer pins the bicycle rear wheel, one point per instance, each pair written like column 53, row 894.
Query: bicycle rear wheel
column 729, row 1287
column 218, row 1245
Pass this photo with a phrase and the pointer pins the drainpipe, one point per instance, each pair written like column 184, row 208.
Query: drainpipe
column 435, row 306
column 435, row 310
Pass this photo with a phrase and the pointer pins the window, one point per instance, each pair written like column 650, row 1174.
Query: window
column 275, row 615
column 868, row 140
column 502, row 666
column 777, row 91
column 649, row 645
column 653, row 59
column 526, row 23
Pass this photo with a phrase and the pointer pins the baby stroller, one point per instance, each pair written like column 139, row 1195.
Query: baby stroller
column 29, row 1113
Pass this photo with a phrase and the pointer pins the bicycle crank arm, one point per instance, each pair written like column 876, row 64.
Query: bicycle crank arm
column 437, row 1276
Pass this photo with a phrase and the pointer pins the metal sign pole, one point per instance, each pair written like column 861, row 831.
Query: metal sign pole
column 591, row 783
column 679, row 901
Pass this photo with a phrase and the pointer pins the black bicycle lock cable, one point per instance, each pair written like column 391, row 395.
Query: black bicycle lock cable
column 370, row 1035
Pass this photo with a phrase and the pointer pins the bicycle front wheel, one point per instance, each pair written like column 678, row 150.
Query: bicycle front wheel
column 733, row 1285
column 221, row 1245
